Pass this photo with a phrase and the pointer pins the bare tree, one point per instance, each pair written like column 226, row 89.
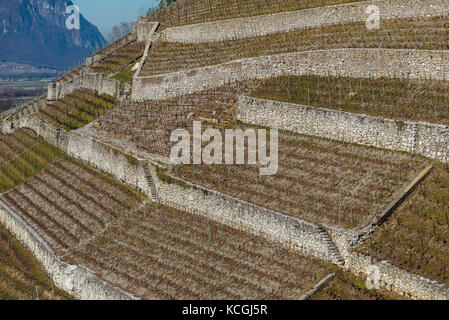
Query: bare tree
column 120, row 31
column 115, row 34
column 165, row 3
column 126, row 28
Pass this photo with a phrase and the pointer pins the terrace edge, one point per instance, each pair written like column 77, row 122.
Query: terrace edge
column 74, row 279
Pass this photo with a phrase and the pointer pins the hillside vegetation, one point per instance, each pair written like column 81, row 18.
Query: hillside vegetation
column 23, row 154
column 70, row 202
column 428, row 33
column 21, row 276
column 163, row 253
column 76, row 109
column 346, row 286
column 394, row 98
column 185, row 12
column 416, row 237
column 117, row 60
column 318, row 180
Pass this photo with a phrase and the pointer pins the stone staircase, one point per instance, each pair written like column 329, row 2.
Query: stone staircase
column 334, row 253
column 153, row 188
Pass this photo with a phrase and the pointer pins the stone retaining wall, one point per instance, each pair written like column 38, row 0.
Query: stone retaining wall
column 102, row 83
column 105, row 158
column 145, row 30
column 76, row 280
column 152, row 37
column 428, row 139
column 310, row 18
column 388, row 276
column 396, row 279
column 363, row 63
column 236, row 213
column 90, row 81
column 290, row 231
column 25, row 109
column 296, row 234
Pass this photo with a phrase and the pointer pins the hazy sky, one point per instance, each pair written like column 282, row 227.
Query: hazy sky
column 107, row 13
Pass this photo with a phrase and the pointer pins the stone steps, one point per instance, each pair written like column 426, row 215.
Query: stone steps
column 153, row 188
column 334, row 253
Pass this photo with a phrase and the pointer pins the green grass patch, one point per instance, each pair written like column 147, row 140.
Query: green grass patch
column 161, row 174
column 126, row 75
column 27, row 164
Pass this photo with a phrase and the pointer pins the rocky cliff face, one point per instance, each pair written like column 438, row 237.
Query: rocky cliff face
column 35, row 32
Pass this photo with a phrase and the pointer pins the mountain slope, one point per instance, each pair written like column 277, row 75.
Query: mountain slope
column 34, row 32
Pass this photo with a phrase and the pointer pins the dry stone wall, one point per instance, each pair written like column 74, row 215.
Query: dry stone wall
column 152, row 37
column 23, row 110
column 52, row 92
column 90, row 81
column 364, row 63
column 292, row 232
column 428, row 139
column 102, row 83
column 299, row 235
column 77, row 280
column 310, row 18
column 236, row 213
column 145, row 30
column 396, row 279
column 382, row 273
column 105, row 158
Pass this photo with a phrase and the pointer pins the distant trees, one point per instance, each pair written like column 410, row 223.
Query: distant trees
column 151, row 10
column 125, row 28
column 165, row 3
column 121, row 30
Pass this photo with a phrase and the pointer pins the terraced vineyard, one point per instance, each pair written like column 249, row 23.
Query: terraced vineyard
column 72, row 74
column 396, row 98
column 413, row 33
column 159, row 252
column 346, row 286
column 156, row 252
column 401, row 99
column 68, row 203
column 120, row 58
column 149, row 124
column 192, row 11
column 163, row 253
column 76, row 110
column 416, row 237
column 317, row 180
column 21, row 276
column 22, row 154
